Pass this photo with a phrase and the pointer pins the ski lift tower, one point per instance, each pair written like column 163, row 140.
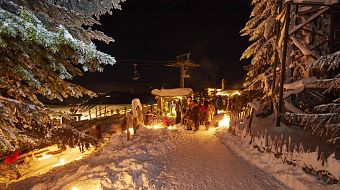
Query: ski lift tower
column 184, row 63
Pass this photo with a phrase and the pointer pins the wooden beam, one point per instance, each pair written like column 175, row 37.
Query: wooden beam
column 307, row 11
column 323, row 42
column 315, row 32
column 310, row 19
column 315, row 2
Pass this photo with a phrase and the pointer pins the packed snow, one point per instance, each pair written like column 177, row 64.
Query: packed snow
column 157, row 159
column 174, row 158
column 289, row 175
column 200, row 161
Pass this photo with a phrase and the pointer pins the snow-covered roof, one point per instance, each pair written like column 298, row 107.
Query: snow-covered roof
column 172, row 92
column 228, row 93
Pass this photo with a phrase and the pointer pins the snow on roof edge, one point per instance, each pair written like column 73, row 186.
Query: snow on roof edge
column 172, row 92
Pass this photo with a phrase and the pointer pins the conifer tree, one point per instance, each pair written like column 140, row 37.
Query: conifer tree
column 261, row 29
column 43, row 45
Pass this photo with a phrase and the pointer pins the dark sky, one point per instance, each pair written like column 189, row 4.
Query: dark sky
column 161, row 29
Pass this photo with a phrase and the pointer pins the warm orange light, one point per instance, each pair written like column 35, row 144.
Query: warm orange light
column 156, row 126
column 130, row 130
column 44, row 156
column 224, row 122
column 60, row 163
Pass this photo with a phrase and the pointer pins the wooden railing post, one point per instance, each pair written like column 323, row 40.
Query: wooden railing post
column 283, row 64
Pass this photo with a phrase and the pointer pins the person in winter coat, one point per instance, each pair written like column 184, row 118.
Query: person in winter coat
column 210, row 114
column 178, row 112
column 203, row 109
column 134, row 118
column 195, row 114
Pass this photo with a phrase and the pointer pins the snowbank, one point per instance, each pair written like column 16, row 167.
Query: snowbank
column 285, row 167
column 120, row 164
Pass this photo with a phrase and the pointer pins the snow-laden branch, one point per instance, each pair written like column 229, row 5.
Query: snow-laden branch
column 314, row 119
column 311, row 83
column 30, row 29
column 328, row 84
column 328, row 108
column 326, row 63
column 24, row 125
column 297, row 86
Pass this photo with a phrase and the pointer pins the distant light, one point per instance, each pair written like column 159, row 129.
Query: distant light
column 44, row 156
column 221, row 111
column 236, row 93
column 130, row 130
column 108, row 96
column 156, row 126
column 172, row 128
column 228, row 93
column 74, row 188
column 60, row 163
column 224, row 122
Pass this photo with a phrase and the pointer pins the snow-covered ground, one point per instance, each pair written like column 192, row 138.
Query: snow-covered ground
column 200, row 161
column 291, row 176
column 120, row 164
column 171, row 159
column 298, row 134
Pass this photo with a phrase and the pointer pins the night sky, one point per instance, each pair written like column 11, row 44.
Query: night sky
column 149, row 32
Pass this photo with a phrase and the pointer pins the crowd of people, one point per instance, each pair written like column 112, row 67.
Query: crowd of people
column 195, row 113
column 189, row 112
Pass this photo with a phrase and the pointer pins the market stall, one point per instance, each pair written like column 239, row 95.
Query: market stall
column 168, row 98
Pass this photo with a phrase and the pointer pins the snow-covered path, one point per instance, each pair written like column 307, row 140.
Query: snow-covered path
column 156, row 159
column 200, row 161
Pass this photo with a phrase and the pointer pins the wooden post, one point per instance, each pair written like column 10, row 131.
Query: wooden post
column 251, row 117
column 90, row 113
column 228, row 104
column 161, row 106
column 182, row 75
column 276, row 57
column 96, row 112
column 283, row 63
column 331, row 30
column 105, row 110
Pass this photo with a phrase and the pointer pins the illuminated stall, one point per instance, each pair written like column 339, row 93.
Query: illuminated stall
column 167, row 99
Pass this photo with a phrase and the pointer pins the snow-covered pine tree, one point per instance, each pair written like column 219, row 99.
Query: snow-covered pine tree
column 324, row 119
column 261, row 29
column 43, row 45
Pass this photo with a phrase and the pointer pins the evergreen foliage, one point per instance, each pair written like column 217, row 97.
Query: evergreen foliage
column 312, row 73
column 43, row 45
column 261, row 30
